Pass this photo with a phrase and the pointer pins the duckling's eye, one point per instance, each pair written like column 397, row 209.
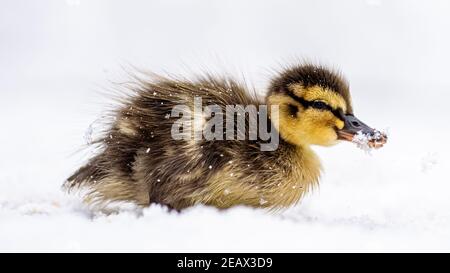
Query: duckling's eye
column 319, row 105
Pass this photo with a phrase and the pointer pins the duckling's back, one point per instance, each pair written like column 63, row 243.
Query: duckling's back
column 141, row 162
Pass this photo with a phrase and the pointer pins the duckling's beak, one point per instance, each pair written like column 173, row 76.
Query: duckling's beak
column 353, row 126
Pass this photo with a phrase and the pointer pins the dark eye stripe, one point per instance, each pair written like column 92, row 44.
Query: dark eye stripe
column 306, row 104
column 320, row 105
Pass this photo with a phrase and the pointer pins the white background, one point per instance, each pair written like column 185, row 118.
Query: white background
column 57, row 58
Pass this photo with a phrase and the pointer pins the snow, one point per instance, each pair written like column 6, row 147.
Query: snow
column 58, row 59
column 366, row 141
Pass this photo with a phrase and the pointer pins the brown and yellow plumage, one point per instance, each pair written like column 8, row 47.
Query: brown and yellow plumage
column 140, row 162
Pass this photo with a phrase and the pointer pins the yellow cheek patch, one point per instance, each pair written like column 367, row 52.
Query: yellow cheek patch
column 312, row 126
column 318, row 93
column 282, row 101
column 339, row 124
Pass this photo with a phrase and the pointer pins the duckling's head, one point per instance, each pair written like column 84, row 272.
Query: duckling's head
column 314, row 107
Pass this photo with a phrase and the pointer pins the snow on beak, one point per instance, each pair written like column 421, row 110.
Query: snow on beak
column 357, row 131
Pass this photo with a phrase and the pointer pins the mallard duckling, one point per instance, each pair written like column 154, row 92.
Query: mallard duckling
column 141, row 162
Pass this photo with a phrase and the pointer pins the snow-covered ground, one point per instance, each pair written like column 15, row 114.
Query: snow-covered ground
column 57, row 57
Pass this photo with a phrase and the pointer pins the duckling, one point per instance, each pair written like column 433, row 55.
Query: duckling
column 141, row 162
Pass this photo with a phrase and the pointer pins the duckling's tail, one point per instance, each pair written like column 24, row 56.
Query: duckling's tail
column 81, row 177
column 85, row 176
column 104, row 187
